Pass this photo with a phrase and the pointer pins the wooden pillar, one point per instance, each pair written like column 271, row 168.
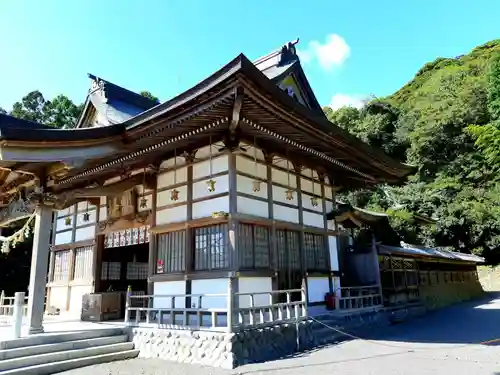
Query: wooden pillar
column 234, row 263
column 189, row 246
column 152, row 240
column 303, row 259
column 97, row 260
column 326, row 239
column 39, row 265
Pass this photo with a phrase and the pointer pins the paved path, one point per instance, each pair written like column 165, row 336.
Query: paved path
column 443, row 342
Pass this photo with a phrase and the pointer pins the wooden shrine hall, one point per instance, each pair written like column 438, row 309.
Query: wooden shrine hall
column 225, row 187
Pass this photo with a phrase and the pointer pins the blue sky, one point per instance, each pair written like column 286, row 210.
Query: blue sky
column 350, row 48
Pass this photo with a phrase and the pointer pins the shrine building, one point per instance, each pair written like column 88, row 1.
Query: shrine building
column 223, row 189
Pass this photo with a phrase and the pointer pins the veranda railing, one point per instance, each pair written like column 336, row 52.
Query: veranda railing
column 251, row 310
column 361, row 297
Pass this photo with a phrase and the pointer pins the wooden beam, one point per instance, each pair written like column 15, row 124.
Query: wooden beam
column 238, row 104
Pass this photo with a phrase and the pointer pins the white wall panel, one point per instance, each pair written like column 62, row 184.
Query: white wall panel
column 202, row 169
column 249, row 167
column 207, row 207
column 279, row 195
column 163, row 197
column 285, row 213
column 252, row 207
column 171, row 215
column 200, row 188
column 167, row 178
column 246, row 185
column 85, row 233
column 281, row 177
column 313, row 220
column 210, row 286
column 169, row 288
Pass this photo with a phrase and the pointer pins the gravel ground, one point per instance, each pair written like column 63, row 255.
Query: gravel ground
column 443, row 342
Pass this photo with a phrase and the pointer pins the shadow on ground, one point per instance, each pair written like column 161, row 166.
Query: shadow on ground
column 472, row 322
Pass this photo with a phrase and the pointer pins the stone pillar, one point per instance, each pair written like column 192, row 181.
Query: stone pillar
column 39, row 266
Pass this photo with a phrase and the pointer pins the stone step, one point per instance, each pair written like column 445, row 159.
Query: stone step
column 9, row 354
column 53, row 338
column 55, row 367
column 63, row 356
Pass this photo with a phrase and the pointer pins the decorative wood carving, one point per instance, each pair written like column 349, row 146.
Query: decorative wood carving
column 123, row 212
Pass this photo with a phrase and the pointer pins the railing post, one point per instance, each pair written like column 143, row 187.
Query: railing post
column 2, row 298
column 230, row 304
column 127, row 305
column 305, row 298
column 17, row 321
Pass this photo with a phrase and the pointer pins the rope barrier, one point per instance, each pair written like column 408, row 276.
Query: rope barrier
column 409, row 349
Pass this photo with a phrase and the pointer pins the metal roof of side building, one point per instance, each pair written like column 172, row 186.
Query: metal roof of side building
column 420, row 251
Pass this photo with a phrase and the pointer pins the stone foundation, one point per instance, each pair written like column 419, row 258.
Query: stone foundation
column 229, row 350
column 219, row 349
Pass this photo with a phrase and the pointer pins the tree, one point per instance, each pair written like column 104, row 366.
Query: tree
column 60, row 113
column 3, row 111
column 31, row 107
column 488, row 136
column 427, row 123
column 148, row 95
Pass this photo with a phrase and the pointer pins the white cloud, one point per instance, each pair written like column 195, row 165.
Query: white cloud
column 332, row 53
column 342, row 100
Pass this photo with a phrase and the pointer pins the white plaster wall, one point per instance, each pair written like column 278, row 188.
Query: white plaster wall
column 171, row 215
column 163, row 197
column 202, row 169
column 307, row 203
column 210, row 286
column 63, row 237
column 58, row 297
column 84, row 229
column 208, row 207
column 85, row 233
column 169, row 288
column 306, row 185
column 253, row 151
column 245, row 185
column 66, row 211
column 166, row 179
column 313, row 220
column 332, row 247
column 328, row 206
column 285, row 213
column 249, row 167
column 221, row 186
column 252, row 207
column 317, row 287
column 254, row 285
column 279, row 195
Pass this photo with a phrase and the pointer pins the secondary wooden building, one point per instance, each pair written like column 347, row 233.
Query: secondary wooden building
column 227, row 186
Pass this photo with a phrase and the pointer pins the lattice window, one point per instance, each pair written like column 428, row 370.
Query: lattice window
column 288, row 249
column 83, row 262
column 137, row 271
column 253, row 246
column 211, row 250
column 171, row 252
column 61, row 265
column 315, row 252
column 111, row 270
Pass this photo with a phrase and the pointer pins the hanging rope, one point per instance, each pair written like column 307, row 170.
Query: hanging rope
column 18, row 236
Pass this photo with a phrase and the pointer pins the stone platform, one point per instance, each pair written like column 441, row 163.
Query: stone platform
column 229, row 350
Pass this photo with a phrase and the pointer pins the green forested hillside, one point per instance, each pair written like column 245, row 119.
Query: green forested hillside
column 446, row 121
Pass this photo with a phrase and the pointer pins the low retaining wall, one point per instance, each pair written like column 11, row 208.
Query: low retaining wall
column 218, row 349
column 229, row 350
